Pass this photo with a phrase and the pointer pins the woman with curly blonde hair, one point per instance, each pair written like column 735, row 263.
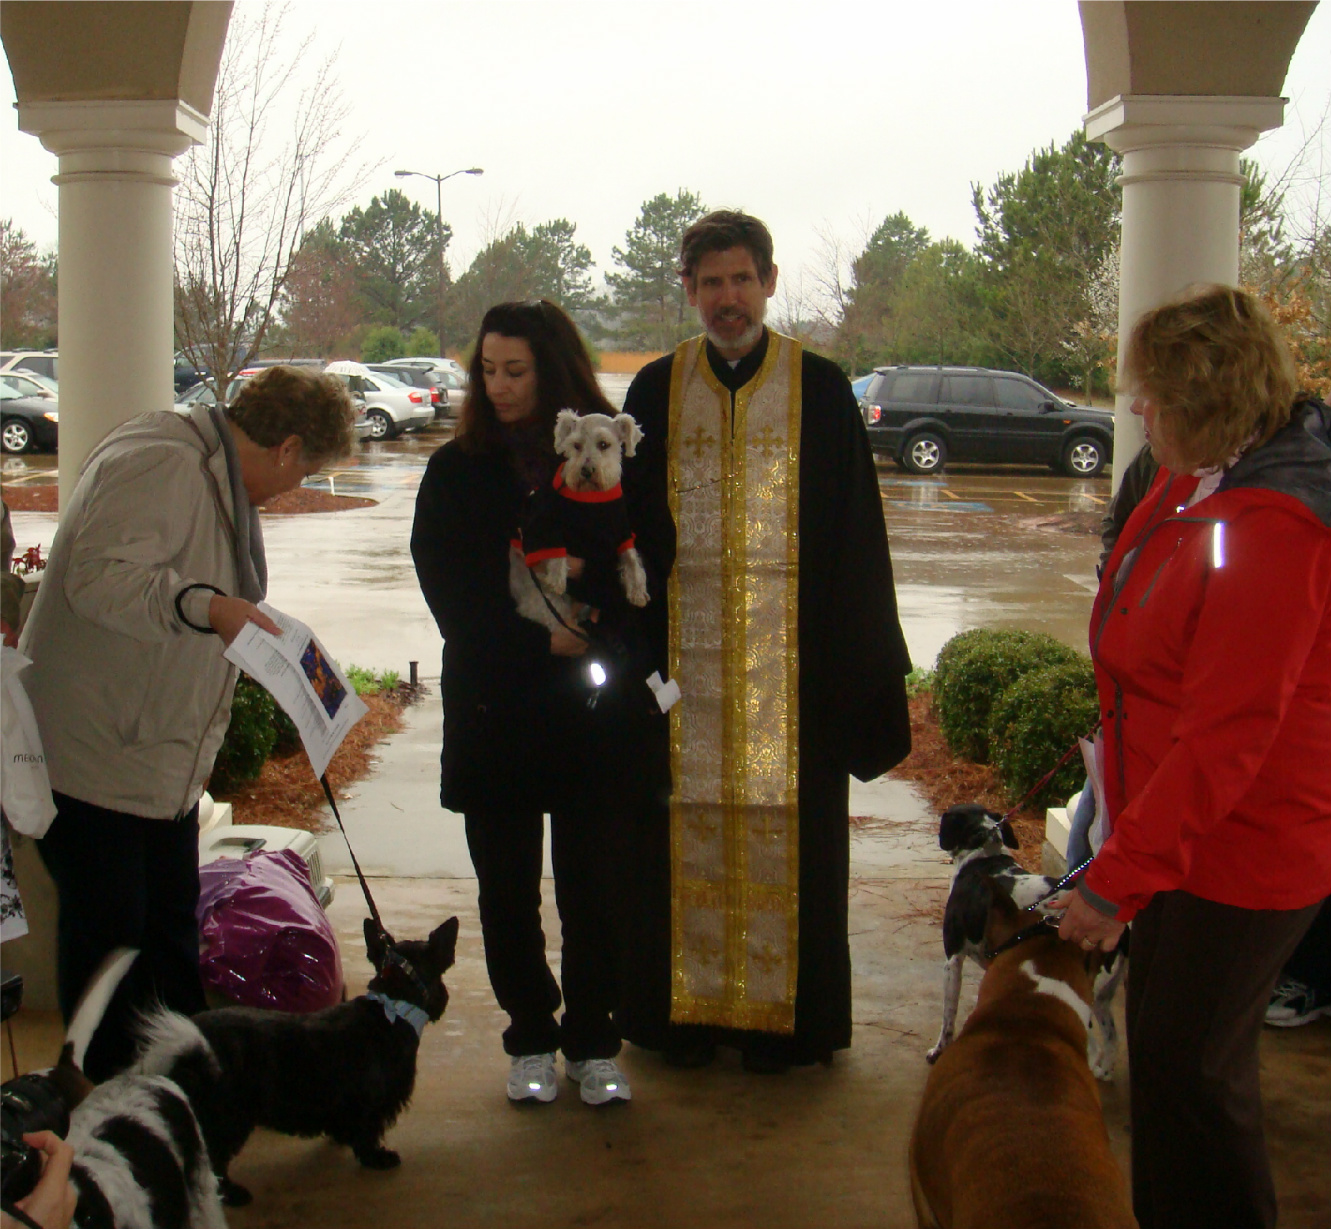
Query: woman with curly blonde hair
column 1211, row 637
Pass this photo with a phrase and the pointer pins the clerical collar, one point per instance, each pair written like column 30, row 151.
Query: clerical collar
column 741, row 373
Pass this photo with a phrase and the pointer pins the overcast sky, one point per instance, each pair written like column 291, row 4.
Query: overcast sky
column 821, row 117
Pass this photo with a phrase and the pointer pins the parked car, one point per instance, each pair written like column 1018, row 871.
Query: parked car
column 923, row 417
column 416, row 377
column 201, row 394
column 429, row 364
column 392, row 407
column 187, row 375
column 43, row 362
column 452, row 393
column 28, row 424
column 860, row 385
column 29, row 384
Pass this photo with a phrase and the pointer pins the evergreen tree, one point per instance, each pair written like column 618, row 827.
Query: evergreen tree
column 395, row 247
column 1043, row 233
column 648, row 294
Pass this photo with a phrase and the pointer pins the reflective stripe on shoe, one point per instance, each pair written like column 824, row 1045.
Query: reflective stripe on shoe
column 531, row 1077
column 600, row 1080
column 1294, row 1003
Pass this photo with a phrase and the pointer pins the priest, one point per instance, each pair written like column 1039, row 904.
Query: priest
column 781, row 629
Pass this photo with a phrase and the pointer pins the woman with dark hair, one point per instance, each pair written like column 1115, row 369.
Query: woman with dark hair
column 1211, row 638
column 520, row 737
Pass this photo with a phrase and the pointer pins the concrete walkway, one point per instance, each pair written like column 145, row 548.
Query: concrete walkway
column 819, row 1146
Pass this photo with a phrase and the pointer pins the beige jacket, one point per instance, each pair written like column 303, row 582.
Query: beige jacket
column 132, row 704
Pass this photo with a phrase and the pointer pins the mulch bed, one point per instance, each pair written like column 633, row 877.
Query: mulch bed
column 945, row 781
column 45, row 498
column 286, row 793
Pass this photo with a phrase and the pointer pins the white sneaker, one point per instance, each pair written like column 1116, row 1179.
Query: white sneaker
column 531, row 1077
column 601, row 1079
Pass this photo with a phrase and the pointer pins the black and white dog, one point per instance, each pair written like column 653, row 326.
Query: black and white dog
column 982, row 870
column 345, row 1072
column 140, row 1161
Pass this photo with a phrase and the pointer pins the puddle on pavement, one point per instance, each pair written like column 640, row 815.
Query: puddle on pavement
column 966, row 551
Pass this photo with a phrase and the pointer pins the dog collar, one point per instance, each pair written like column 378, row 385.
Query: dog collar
column 400, row 1009
column 1045, row 926
column 586, row 497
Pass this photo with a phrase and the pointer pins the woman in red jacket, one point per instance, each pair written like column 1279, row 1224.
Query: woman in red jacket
column 1211, row 637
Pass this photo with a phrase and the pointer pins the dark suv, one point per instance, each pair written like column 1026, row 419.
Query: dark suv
column 923, row 417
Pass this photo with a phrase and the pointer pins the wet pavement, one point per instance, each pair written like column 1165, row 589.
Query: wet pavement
column 966, row 549
column 973, row 547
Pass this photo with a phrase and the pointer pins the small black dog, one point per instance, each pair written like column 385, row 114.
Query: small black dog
column 345, row 1072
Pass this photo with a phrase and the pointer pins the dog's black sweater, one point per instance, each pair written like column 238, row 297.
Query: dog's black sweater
column 591, row 525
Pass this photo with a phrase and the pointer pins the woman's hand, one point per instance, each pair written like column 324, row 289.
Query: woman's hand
column 575, row 567
column 564, row 643
column 51, row 1202
column 1084, row 924
column 228, row 615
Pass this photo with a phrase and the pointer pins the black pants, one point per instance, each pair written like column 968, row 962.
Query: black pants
column 506, row 852
column 1199, row 980
column 124, row 881
column 1311, row 961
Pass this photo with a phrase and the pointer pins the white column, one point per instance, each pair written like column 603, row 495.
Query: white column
column 1181, row 186
column 116, row 281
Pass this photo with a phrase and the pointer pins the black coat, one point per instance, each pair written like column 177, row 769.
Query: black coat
column 516, row 717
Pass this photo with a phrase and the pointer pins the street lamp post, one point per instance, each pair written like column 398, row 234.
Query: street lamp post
column 439, row 227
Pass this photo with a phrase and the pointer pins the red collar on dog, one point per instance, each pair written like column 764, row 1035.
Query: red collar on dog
column 586, row 497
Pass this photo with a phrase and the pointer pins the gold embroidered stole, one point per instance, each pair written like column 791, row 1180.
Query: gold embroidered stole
column 735, row 735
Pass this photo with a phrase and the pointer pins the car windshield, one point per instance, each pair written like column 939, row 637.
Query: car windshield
column 392, row 381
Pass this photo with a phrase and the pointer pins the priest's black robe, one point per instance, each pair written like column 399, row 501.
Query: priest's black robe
column 852, row 705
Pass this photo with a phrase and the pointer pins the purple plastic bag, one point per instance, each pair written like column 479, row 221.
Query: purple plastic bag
column 264, row 939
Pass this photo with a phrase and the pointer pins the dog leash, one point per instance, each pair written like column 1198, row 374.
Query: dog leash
column 1044, row 780
column 391, row 954
column 1045, row 926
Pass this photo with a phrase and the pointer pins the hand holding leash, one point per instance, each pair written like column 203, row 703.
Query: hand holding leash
column 1084, row 924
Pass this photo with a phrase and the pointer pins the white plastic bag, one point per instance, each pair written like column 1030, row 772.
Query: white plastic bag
column 25, row 788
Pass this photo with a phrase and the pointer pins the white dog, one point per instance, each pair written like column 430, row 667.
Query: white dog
column 582, row 514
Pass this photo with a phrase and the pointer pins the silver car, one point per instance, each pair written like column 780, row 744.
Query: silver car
column 391, row 406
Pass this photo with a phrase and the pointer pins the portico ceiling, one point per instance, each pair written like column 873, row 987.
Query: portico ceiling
column 128, row 50
column 1234, row 49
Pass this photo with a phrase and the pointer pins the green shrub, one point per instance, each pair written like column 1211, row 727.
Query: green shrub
column 287, row 736
column 365, row 682
column 919, row 681
column 974, row 669
column 1037, row 719
column 381, row 344
column 422, row 344
column 249, row 738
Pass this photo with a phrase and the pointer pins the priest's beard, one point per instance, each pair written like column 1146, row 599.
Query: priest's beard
column 744, row 342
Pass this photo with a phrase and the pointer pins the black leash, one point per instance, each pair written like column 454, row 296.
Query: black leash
column 1045, row 926
column 391, row 954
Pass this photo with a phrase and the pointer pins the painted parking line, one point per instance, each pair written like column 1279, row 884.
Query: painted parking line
column 960, row 506
column 1028, row 498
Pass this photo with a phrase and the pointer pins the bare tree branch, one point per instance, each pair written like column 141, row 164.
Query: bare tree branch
column 277, row 160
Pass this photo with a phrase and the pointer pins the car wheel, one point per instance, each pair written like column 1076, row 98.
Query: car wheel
column 381, row 425
column 1083, row 457
column 924, row 453
column 15, row 435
